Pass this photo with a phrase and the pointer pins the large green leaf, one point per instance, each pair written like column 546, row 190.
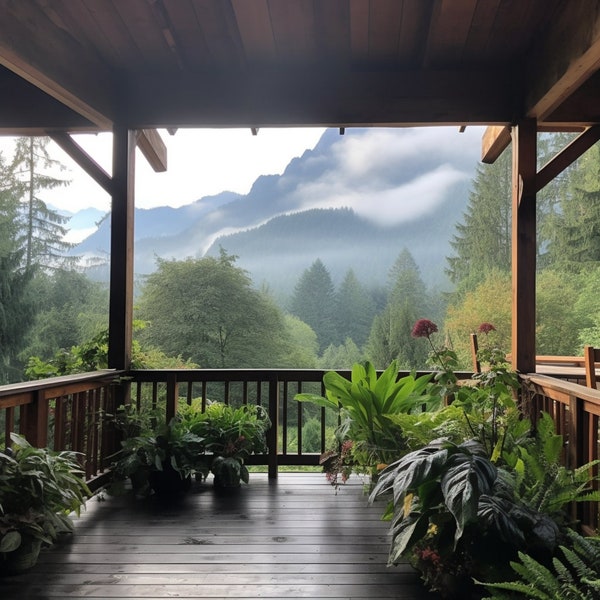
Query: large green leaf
column 10, row 541
column 405, row 533
column 411, row 471
column 466, row 477
column 318, row 400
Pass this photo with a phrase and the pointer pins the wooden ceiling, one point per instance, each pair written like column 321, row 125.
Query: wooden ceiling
column 76, row 65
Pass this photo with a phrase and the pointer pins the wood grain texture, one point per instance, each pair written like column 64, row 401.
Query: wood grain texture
column 293, row 538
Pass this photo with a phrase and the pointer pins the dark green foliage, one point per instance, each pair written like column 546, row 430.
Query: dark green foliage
column 313, row 302
column 70, row 308
column 170, row 450
column 483, row 240
column 573, row 575
column 354, row 310
column 16, row 300
column 574, row 226
column 39, row 489
column 207, row 311
column 390, row 336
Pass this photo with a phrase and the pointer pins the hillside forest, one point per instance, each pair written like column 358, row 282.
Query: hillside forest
column 207, row 312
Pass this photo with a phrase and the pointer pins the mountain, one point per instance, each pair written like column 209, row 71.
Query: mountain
column 354, row 201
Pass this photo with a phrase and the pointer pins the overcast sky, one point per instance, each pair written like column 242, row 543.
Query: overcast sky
column 208, row 161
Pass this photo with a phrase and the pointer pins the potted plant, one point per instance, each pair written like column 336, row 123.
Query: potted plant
column 230, row 435
column 160, row 461
column 39, row 489
column 371, row 406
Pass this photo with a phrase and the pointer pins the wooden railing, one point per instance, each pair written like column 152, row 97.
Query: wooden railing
column 274, row 389
column 70, row 412
column 64, row 413
column 575, row 410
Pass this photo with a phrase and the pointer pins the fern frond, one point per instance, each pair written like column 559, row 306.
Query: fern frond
column 536, row 574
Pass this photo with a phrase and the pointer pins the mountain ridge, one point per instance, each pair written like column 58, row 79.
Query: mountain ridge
column 352, row 200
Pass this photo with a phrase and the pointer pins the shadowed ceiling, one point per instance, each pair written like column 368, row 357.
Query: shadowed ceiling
column 75, row 65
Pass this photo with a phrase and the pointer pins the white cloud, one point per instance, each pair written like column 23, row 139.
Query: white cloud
column 392, row 176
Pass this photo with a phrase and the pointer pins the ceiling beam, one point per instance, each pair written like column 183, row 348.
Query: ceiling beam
column 319, row 98
column 495, row 140
column 70, row 73
column 26, row 110
column 568, row 155
column 84, row 160
column 555, row 75
column 153, row 148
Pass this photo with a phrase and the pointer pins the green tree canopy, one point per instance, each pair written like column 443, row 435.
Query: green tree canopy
column 390, row 336
column 313, row 302
column 482, row 241
column 206, row 310
column 16, row 301
column 489, row 302
column 70, row 308
column 354, row 311
column 574, row 227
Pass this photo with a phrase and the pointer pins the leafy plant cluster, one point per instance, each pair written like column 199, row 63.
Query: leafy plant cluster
column 473, row 486
column 39, row 489
column 369, row 405
column 196, row 442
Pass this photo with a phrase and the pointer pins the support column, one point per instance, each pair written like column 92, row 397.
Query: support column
column 121, row 249
column 524, row 249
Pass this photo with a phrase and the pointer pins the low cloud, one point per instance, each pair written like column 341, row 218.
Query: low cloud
column 393, row 176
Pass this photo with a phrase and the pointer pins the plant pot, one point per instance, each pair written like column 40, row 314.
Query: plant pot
column 168, row 484
column 228, row 472
column 23, row 558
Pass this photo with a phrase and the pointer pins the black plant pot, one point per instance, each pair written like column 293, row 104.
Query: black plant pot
column 23, row 558
column 168, row 484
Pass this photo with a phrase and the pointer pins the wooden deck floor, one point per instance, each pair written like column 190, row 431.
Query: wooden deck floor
column 294, row 538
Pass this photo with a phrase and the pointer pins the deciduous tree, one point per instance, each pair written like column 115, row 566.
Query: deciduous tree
column 206, row 310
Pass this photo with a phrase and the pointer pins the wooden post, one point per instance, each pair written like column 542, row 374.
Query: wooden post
column 524, row 245
column 272, row 441
column 34, row 421
column 172, row 396
column 121, row 250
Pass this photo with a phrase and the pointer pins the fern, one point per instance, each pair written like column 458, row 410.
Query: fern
column 574, row 576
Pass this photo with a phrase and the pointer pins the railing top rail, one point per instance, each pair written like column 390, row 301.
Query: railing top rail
column 312, row 375
column 26, row 387
column 575, row 389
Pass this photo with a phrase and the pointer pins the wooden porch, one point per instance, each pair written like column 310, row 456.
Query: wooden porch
column 293, row 537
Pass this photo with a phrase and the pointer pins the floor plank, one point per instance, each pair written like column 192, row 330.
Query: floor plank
column 294, row 538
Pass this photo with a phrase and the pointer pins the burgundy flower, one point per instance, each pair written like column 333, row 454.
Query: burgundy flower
column 424, row 328
column 486, row 328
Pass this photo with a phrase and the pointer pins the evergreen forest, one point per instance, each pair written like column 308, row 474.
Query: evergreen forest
column 206, row 312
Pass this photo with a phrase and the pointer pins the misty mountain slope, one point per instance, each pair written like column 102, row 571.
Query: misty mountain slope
column 277, row 252
column 354, row 201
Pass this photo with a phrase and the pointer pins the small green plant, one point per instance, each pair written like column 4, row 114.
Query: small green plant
column 39, row 489
column 170, row 452
column 228, row 433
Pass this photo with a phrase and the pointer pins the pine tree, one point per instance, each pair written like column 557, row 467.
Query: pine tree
column 16, row 307
column 313, row 302
column 575, row 225
column 483, row 239
column 354, row 311
column 43, row 227
column 390, row 337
